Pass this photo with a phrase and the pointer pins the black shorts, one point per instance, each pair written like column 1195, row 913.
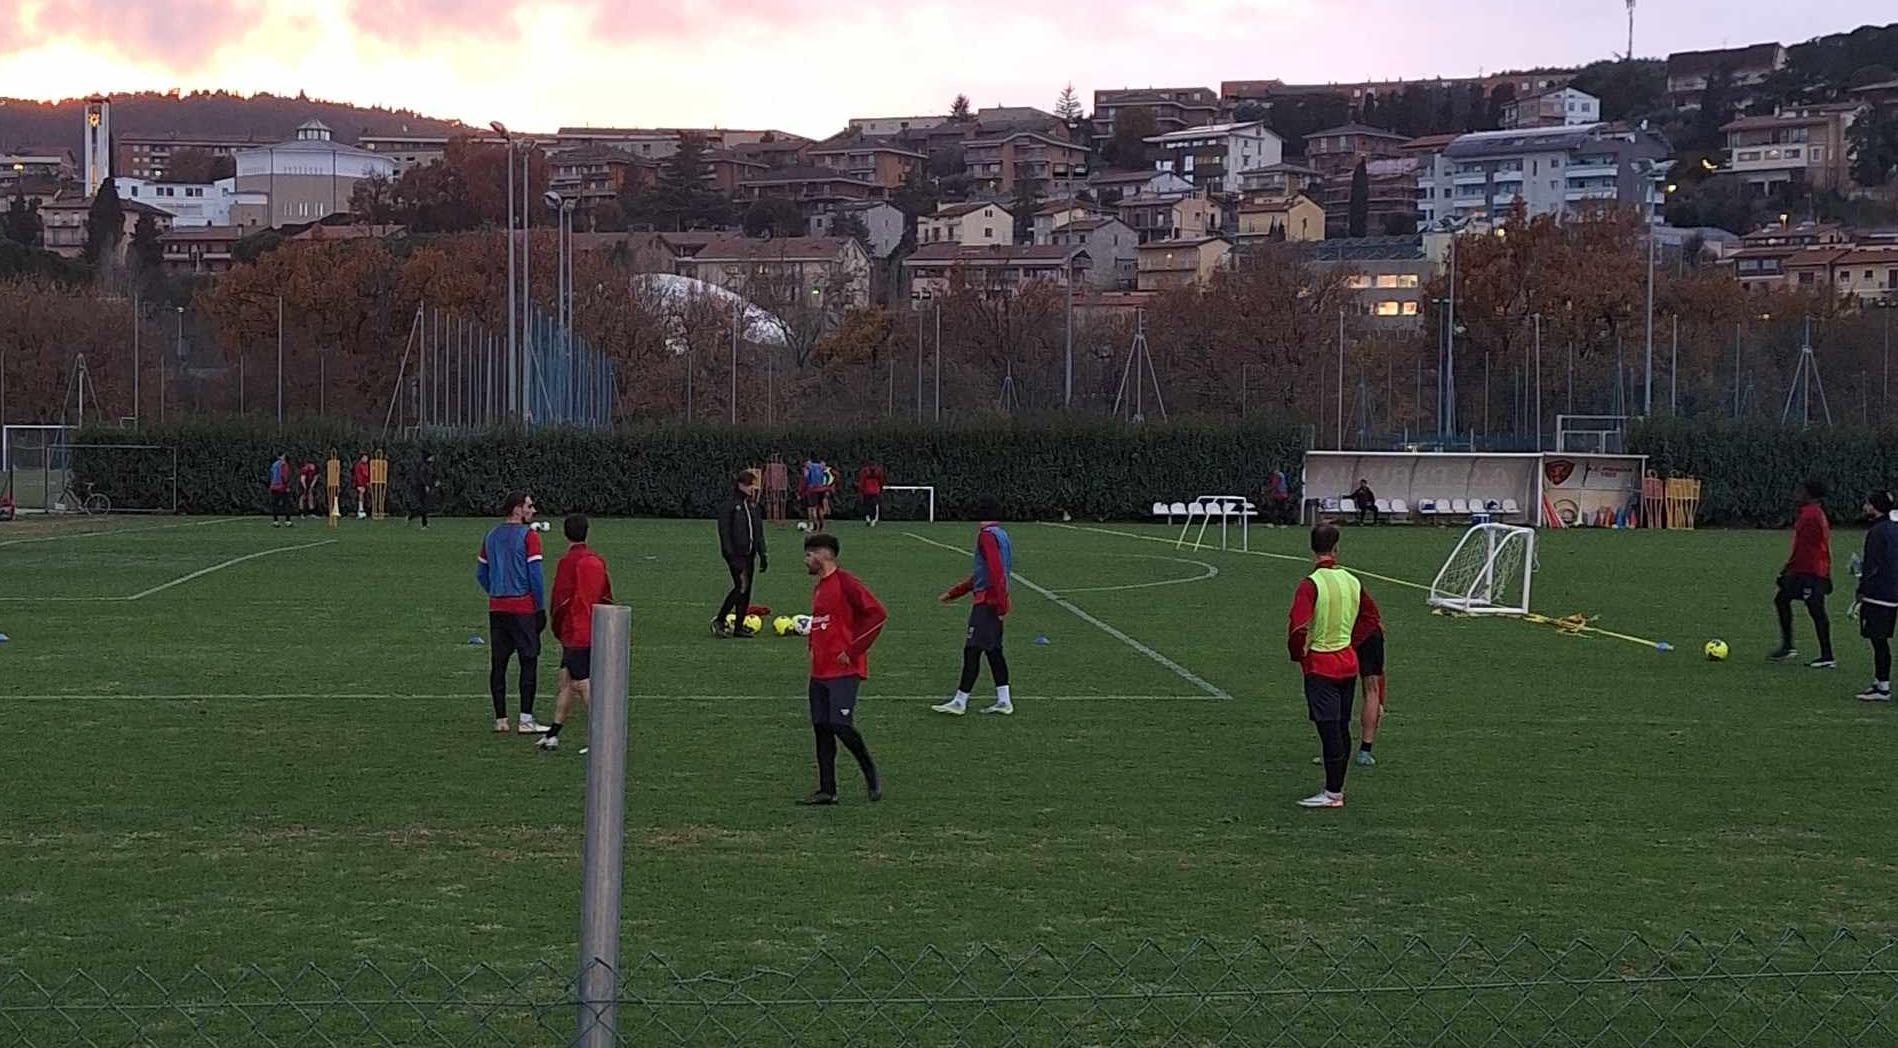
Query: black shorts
column 1803, row 587
column 1328, row 700
column 834, row 701
column 815, row 500
column 985, row 629
column 578, row 662
column 872, row 505
column 514, row 633
column 1371, row 656
column 1875, row 621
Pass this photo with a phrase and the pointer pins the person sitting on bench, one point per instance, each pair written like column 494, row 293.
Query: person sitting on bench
column 1366, row 501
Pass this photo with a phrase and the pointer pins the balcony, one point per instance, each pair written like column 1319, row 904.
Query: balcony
column 1575, row 171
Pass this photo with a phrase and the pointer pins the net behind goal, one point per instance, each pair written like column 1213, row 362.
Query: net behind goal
column 1488, row 573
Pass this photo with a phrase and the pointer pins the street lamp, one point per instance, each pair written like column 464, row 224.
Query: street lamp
column 513, row 353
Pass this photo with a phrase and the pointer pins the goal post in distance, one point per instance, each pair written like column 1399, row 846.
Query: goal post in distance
column 909, row 502
column 1488, row 573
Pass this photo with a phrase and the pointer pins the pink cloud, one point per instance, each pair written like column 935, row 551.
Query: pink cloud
column 184, row 34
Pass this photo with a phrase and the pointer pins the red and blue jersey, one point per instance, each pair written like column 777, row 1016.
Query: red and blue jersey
column 994, row 559
column 508, row 569
column 280, row 475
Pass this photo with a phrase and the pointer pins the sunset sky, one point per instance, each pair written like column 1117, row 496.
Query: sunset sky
column 808, row 65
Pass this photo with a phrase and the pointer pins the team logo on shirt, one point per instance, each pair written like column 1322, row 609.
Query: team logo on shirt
column 819, row 623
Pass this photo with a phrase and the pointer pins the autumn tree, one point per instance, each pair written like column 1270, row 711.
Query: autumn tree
column 682, row 199
column 373, row 199
column 1132, row 128
column 774, row 217
column 147, row 253
column 434, row 198
column 22, row 225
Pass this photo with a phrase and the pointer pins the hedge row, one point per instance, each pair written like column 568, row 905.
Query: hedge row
column 1092, row 470
column 1748, row 470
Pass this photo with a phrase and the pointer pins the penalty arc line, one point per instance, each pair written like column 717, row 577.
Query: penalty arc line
column 233, row 562
column 1210, row 573
column 1181, row 671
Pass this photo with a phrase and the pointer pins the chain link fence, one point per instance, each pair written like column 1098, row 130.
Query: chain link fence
column 1791, row 989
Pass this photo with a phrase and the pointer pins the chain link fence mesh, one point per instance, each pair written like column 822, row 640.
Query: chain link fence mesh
column 1790, row 989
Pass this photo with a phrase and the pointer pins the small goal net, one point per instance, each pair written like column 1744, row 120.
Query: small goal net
column 1488, row 573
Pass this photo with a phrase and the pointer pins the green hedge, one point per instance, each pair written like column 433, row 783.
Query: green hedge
column 1093, row 470
column 1748, row 470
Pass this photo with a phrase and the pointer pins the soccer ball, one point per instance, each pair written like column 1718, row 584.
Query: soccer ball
column 781, row 625
column 541, row 525
column 754, row 623
column 801, row 625
column 1716, row 651
column 803, row 525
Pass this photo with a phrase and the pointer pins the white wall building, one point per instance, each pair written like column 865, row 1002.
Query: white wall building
column 1213, row 157
column 309, row 177
column 192, row 203
column 1551, row 171
column 1564, row 107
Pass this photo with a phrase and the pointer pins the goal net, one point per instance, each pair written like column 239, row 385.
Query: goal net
column 1488, row 573
column 906, row 502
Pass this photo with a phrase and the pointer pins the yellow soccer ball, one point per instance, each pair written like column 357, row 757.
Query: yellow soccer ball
column 754, row 623
column 781, row 625
column 1716, row 651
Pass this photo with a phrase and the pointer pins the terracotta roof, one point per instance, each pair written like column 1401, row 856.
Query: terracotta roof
column 1055, row 207
column 787, row 175
column 1805, row 118
column 864, row 145
column 992, row 254
column 777, row 249
column 364, row 231
column 1843, row 255
column 1355, row 129
column 732, row 156
column 1276, row 204
column 1036, row 135
column 1428, row 143
column 598, row 154
column 1114, row 178
column 969, row 208
column 1086, row 225
column 1281, row 169
column 1180, row 245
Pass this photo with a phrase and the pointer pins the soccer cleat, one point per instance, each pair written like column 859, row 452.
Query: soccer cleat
column 549, row 743
column 1874, row 693
column 1782, row 654
column 876, row 792
column 1001, row 708
column 720, row 630
column 818, row 799
column 500, row 725
column 743, row 633
column 952, row 708
column 1365, row 760
column 1823, row 663
column 529, row 726
column 1323, row 799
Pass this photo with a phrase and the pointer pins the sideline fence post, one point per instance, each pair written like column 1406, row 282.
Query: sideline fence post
column 597, row 987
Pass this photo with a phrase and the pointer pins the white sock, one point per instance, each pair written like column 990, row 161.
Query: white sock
column 961, row 699
column 527, row 718
column 1001, row 696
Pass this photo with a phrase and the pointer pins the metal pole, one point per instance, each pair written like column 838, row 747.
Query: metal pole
column 513, row 285
column 1449, row 351
column 137, row 314
column 1341, row 379
column 240, row 378
column 1674, row 373
column 919, row 365
column 279, row 361
column 527, row 290
column 1736, row 370
column 1067, row 385
column 1538, row 374
column 939, row 362
column 600, row 862
column 1647, row 405
column 734, row 360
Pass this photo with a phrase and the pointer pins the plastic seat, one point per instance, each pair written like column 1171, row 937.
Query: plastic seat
column 1400, row 508
column 1459, row 507
column 1511, row 508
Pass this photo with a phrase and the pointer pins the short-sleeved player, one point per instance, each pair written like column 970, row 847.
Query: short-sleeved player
column 580, row 582
column 846, row 620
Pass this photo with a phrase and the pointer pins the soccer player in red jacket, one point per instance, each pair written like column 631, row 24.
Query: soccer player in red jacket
column 580, row 582
column 870, row 481
column 1807, row 576
column 846, row 620
column 359, row 479
column 994, row 559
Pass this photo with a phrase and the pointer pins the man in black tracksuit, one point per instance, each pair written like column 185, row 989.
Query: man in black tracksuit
column 1878, row 593
column 741, row 542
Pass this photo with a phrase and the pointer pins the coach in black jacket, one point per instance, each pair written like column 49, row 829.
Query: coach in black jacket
column 741, row 542
column 1878, row 593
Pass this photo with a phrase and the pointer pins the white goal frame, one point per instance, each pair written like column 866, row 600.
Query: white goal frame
column 1479, row 594
column 928, row 489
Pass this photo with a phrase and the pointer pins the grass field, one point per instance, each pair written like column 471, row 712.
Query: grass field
column 288, row 759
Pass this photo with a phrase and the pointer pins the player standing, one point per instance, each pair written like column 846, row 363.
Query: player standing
column 1367, row 640
column 994, row 559
column 359, row 478
column 580, row 582
column 306, row 489
column 425, row 487
column 1878, row 593
column 870, row 481
column 1807, row 577
column 280, row 493
column 741, row 543
column 1325, row 610
column 508, row 569
column 811, row 486
column 846, row 619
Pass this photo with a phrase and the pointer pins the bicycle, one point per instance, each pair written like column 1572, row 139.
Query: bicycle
column 91, row 502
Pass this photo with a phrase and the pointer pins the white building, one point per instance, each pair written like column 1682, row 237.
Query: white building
column 1215, row 156
column 1551, row 171
column 1564, row 107
column 194, row 203
column 98, row 142
column 977, row 223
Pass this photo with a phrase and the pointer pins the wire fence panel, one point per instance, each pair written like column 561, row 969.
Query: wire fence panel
column 1785, row 990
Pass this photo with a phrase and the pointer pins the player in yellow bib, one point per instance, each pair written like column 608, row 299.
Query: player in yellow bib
column 1325, row 611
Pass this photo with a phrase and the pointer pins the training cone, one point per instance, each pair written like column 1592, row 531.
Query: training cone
column 476, row 641
column 1042, row 640
column 1661, row 645
column 3, row 638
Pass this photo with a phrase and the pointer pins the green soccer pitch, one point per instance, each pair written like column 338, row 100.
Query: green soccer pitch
column 285, row 759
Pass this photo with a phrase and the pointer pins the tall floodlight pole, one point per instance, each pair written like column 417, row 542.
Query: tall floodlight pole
column 1449, row 351
column 527, row 288
column 1647, row 405
column 512, row 349
column 1538, row 376
column 138, row 314
column 1067, row 386
column 1340, row 378
column 280, row 361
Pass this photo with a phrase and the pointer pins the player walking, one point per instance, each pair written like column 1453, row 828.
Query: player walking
column 1878, row 593
column 359, row 479
column 508, row 569
column 1807, row 577
column 280, row 493
column 580, row 582
column 870, row 481
column 741, row 543
column 846, row 620
column 1325, row 610
column 994, row 559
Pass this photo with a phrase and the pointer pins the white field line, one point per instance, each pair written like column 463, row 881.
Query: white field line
column 179, row 581
column 475, row 695
column 1252, row 553
column 119, row 531
column 1210, row 573
column 1181, row 671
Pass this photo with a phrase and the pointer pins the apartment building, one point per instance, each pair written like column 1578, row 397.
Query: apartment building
column 1166, row 265
column 201, row 249
column 978, row 223
column 881, row 126
column 1550, row 171
column 999, row 269
column 1279, row 180
column 1804, row 144
column 596, row 174
column 1337, row 150
column 1111, row 187
column 883, row 223
column 406, row 150
column 1866, row 273
column 149, row 156
column 1563, row 107
column 727, row 170
column 1746, row 68
column 1025, row 161
column 309, row 177
column 1173, row 108
column 63, row 224
column 1215, row 157
column 1170, row 216
column 1388, row 276
column 1760, row 263
column 1112, row 247
column 816, row 189
column 1296, row 217
column 831, row 274
column 197, row 204
column 881, row 162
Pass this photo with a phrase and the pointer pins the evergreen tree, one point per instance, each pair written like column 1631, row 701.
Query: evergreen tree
column 1874, row 145
column 1358, row 216
column 1716, row 109
column 22, row 222
column 147, row 253
column 105, row 226
column 1068, row 107
column 959, row 109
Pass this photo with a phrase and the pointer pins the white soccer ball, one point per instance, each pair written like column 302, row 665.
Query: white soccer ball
column 803, row 525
